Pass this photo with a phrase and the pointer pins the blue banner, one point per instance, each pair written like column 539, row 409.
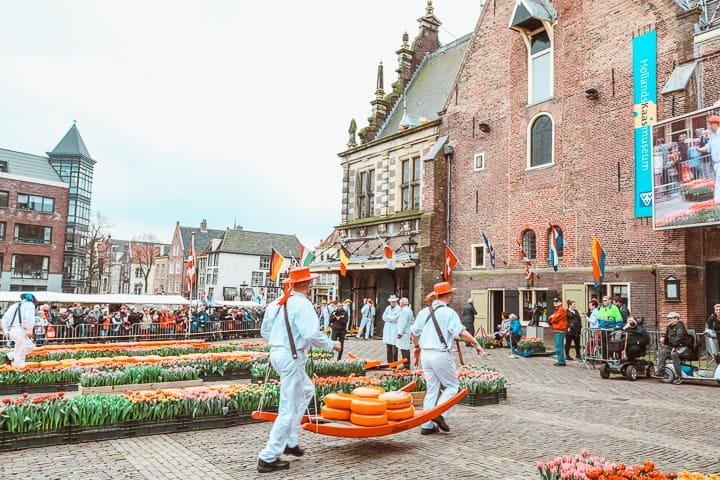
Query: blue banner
column 644, row 117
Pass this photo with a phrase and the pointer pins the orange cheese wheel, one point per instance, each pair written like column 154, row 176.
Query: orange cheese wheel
column 368, row 420
column 334, row 413
column 368, row 406
column 370, row 391
column 400, row 413
column 396, row 399
column 339, row 400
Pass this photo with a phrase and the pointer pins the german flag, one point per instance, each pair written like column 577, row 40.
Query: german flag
column 276, row 264
column 344, row 260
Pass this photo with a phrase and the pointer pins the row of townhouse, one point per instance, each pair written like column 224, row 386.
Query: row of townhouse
column 540, row 119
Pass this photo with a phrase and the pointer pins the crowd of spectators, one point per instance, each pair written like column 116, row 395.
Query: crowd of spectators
column 70, row 323
column 681, row 161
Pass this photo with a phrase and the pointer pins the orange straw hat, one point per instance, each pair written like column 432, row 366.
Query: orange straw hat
column 300, row 274
column 714, row 119
column 440, row 289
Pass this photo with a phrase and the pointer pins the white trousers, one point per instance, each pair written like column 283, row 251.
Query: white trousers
column 439, row 370
column 23, row 346
column 296, row 391
column 365, row 327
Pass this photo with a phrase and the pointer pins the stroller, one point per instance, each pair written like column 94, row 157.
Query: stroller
column 624, row 356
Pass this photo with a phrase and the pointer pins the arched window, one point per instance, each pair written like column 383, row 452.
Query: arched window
column 529, row 244
column 541, row 141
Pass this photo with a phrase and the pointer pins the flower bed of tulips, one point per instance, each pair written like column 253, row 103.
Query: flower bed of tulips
column 318, row 367
column 530, row 343
column 67, row 371
column 477, row 378
column 102, row 377
column 39, row 355
column 45, row 413
column 592, row 467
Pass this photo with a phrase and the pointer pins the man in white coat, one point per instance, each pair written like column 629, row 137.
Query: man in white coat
column 296, row 388
column 390, row 317
column 18, row 323
column 436, row 352
column 404, row 324
column 368, row 318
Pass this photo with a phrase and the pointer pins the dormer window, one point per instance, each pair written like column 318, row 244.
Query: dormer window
column 534, row 19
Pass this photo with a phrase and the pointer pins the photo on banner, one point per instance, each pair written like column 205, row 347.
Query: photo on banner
column 686, row 192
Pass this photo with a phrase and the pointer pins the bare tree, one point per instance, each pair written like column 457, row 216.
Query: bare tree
column 96, row 252
column 145, row 249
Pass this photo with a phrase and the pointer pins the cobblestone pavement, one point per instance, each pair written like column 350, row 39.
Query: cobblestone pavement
column 549, row 411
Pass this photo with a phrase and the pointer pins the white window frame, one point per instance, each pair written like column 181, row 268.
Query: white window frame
column 478, row 259
column 527, row 37
column 481, row 157
column 528, row 135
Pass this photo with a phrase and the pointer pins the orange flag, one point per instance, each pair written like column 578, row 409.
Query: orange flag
column 450, row 261
column 276, row 264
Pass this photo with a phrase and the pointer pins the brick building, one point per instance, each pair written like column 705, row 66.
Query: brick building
column 33, row 217
column 44, row 217
column 553, row 83
column 393, row 180
column 541, row 127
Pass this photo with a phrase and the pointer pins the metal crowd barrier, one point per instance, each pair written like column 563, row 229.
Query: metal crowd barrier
column 594, row 345
column 92, row 333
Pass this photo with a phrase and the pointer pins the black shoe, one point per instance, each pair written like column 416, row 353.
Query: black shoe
column 6, row 360
column 677, row 381
column 559, row 364
column 266, row 467
column 569, row 358
column 429, row 431
column 295, row 451
column 441, row 423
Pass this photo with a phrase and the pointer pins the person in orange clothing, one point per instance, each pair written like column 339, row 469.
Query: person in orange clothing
column 558, row 321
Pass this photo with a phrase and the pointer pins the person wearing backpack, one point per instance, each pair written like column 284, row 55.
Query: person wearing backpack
column 18, row 323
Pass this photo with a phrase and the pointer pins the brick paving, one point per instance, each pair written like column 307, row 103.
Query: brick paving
column 549, row 411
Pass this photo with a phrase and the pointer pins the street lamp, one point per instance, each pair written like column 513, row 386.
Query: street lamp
column 410, row 245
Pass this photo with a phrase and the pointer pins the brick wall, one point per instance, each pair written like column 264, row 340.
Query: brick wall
column 56, row 220
column 589, row 189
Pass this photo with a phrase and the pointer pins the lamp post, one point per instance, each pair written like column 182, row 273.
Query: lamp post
column 410, row 245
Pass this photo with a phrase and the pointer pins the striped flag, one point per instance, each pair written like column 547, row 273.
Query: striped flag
column 306, row 256
column 344, row 260
column 276, row 264
column 529, row 274
column 190, row 265
column 556, row 243
column 490, row 249
column 598, row 263
column 450, row 261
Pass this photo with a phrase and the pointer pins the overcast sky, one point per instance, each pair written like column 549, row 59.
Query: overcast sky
column 228, row 110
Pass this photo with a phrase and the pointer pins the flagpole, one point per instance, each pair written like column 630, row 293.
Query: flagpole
column 459, row 262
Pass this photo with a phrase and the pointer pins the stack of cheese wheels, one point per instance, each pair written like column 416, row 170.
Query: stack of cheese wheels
column 337, row 406
column 399, row 405
column 368, row 410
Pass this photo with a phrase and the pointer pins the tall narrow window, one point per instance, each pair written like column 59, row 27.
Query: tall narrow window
column 541, row 141
column 529, row 244
column 4, row 198
column 410, row 187
column 366, row 193
column 540, row 73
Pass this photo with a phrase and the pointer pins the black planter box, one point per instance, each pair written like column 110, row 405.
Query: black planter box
column 18, row 388
column 479, row 399
column 70, row 434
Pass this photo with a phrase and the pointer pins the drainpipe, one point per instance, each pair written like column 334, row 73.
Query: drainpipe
column 448, row 150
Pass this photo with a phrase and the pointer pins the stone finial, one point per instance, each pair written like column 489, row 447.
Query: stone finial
column 352, row 131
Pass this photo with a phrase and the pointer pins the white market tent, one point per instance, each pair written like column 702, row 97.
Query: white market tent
column 99, row 299
column 245, row 304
